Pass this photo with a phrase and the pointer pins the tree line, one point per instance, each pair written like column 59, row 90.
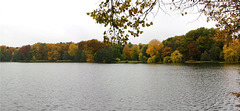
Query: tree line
column 201, row 44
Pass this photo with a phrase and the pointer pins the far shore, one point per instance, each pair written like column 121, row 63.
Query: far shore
column 128, row 62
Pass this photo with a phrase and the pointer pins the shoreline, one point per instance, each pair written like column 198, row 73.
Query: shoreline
column 122, row 62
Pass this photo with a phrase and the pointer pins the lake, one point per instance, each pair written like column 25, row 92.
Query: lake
column 120, row 87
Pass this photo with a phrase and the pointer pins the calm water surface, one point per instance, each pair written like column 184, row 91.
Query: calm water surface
column 121, row 87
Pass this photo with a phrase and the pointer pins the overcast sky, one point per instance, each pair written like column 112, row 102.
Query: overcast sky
column 24, row 22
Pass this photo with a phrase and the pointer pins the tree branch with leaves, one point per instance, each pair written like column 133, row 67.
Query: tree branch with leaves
column 125, row 18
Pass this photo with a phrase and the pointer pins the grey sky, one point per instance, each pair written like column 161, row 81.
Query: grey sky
column 25, row 22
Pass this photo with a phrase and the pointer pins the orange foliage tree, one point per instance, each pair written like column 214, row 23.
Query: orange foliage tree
column 95, row 45
column 154, row 47
column 53, row 53
column 24, row 50
column 166, row 51
column 42, row 52
column 126, row 52
column 193, row 51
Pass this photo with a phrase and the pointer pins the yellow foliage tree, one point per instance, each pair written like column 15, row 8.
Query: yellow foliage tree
column 236, row 46
column 230, row 55
column 176, row 57
column 134, row 52
column 232, row 52
column 72, row 49
column 152, row 59
column 167, row 59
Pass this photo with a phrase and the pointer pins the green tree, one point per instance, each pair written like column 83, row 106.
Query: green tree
column 17, row 56
column 117, row 51
column 110, row 55
column 194, row 41
column 214, row 53
column 104, row 56
column 78, row 56
column 2, row 51
column 7, row 56
column 205, row 56
column 172, row 42
column 200, row 32
column 144, row 50
column 140, row 46
column 204, row 43
column 84, row 57
column 134, row 52
column 100, row 56
column 66, row 56
column 30, row 56
column 183, row 46
column 142, row 58
column 130, row 45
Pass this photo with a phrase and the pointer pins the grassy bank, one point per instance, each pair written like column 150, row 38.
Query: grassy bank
column 210, row 62
column 131, row 62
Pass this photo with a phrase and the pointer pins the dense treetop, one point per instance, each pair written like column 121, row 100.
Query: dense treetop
column 200, row 44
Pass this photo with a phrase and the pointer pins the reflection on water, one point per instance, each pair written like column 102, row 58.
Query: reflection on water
column 83, row 86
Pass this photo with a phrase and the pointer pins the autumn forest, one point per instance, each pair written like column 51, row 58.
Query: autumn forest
column 202, row 44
